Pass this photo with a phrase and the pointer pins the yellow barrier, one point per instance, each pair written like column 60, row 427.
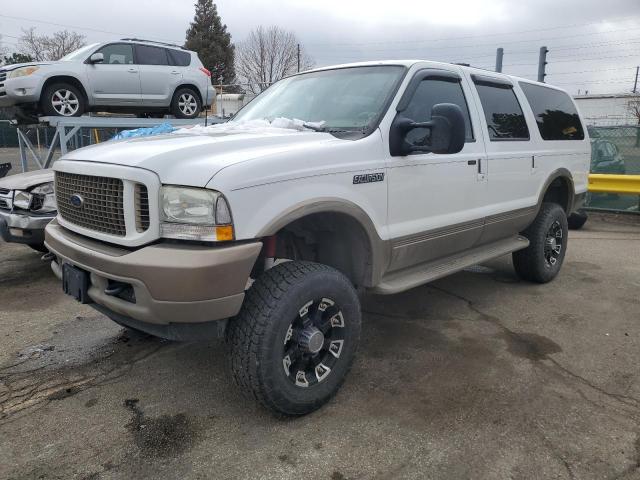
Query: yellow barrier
column 605, row 183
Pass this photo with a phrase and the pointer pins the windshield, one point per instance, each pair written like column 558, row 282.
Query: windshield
column 344, row 99
column 79, row 55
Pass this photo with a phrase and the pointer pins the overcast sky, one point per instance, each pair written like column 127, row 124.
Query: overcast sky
column 594, row 45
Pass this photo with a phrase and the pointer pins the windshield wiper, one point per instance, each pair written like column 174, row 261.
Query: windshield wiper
column 313, row 127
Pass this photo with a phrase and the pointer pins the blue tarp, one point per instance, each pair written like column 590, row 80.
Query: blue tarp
column 145, row 132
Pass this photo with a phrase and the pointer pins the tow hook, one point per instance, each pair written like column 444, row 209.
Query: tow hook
column 47, row 257
column 115, row 289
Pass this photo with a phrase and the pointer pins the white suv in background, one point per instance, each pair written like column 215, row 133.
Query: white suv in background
column 127, row 76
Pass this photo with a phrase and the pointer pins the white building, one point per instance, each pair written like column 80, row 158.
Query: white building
column 607, row 109
column 228, row 104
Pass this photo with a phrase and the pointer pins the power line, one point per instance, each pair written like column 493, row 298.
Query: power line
column 481, row 35
column 107, row 32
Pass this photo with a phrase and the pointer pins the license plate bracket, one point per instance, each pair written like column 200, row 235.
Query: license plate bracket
column 75, row 282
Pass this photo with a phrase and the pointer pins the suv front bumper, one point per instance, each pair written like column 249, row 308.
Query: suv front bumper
column 17, row 91
column 175, row 285
column 23, row 228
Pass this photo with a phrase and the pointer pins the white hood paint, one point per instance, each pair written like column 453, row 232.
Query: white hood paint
column 194, row 158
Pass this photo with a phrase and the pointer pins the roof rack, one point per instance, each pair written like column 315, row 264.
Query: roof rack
column 153, row 41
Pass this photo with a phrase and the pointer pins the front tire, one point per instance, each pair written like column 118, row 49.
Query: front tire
column 186, row 104
column 294, row 340
column 63, row 100
column 541, row 261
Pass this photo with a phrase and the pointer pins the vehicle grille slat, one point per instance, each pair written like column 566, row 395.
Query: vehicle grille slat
column 141, row 208
column 103, row 203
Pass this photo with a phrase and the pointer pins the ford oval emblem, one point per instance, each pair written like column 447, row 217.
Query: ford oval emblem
column 76, row 200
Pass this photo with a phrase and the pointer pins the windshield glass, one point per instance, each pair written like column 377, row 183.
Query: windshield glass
column 79, row 55
column 346, row 99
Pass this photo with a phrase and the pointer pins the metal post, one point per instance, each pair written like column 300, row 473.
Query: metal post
column 499, row 55
column 635, row 84
column 542, row 63
column 298, row 57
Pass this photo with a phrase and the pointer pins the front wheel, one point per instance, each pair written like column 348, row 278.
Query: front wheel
column 541, row 261
column 186, row 104
column 63, row 100
column 295, row 338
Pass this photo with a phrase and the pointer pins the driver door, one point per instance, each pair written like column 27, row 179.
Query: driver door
column 116, row 81
column 436, row 201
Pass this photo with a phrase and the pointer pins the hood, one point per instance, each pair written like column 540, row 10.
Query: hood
column 8, row 68
column 27, row 180
column 193, row 159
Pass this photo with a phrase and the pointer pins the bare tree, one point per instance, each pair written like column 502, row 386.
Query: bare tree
column 267, row 55
column 633, row 107
column 53, row 47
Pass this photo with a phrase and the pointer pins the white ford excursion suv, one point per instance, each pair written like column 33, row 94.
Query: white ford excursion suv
column 405, row 172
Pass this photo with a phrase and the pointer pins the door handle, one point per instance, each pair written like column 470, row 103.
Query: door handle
column 175, row 73
column 471, row 162
column 132, row 70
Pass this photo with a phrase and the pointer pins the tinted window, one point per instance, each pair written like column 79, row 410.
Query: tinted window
column 556, row 116
column 429, row 93
column 505, row 119
column 146, row 55
column 178, row 58
column 117, row 54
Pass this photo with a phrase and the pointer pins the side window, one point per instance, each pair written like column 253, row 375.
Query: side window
column 556, row 115
column 178, row 58
column 117, row 54
column 430, row 92
column 502, row 111
column 146, row 55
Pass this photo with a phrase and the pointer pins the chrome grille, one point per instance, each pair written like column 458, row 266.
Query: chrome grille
column 102, row 202
column 142, row 208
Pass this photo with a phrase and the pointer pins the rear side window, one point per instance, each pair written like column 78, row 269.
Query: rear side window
column 430, row 92
column 117, row 54
column 178, row 58
column 505, row 119
column 147, row 55
column 556, row 115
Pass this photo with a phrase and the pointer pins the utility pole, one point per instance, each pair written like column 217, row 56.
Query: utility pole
column 542, row 63
column 298, row 57
column 499, row 55
column 635, row 84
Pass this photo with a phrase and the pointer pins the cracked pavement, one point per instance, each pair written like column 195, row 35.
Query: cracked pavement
column 477, row 375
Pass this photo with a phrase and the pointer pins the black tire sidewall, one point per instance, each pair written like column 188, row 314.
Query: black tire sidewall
column 47, row 106
column 279, row 392
column 175, row 109
column 577, row 220
column 549, row 214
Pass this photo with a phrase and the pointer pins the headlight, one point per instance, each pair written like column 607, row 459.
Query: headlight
column 23, row 72
column 195, row 214
column 22, row 199
column 44, row 200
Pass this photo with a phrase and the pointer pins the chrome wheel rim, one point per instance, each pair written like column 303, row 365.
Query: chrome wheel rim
column 553, row 243
column 65, row 102
column 313, row 343
column 187, row 104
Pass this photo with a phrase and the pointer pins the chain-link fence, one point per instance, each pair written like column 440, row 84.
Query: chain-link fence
column 615, row 150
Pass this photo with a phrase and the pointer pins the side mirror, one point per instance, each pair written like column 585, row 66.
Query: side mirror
column 446, row 132
column 96, row 58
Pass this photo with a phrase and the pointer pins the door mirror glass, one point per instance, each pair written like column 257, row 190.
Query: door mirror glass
column 443, row 134
column 96, row 58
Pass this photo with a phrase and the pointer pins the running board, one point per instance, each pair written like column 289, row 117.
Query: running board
column 426, row 272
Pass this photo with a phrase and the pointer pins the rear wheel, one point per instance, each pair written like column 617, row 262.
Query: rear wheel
column 541, row 261
column 295, row 338
column 186, row 104
column 63, row 100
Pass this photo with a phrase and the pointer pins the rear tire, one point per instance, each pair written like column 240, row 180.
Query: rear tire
column 541, row 261
column 275, row 351
column 186, row 104
column 63, row 100
column 577, row 220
